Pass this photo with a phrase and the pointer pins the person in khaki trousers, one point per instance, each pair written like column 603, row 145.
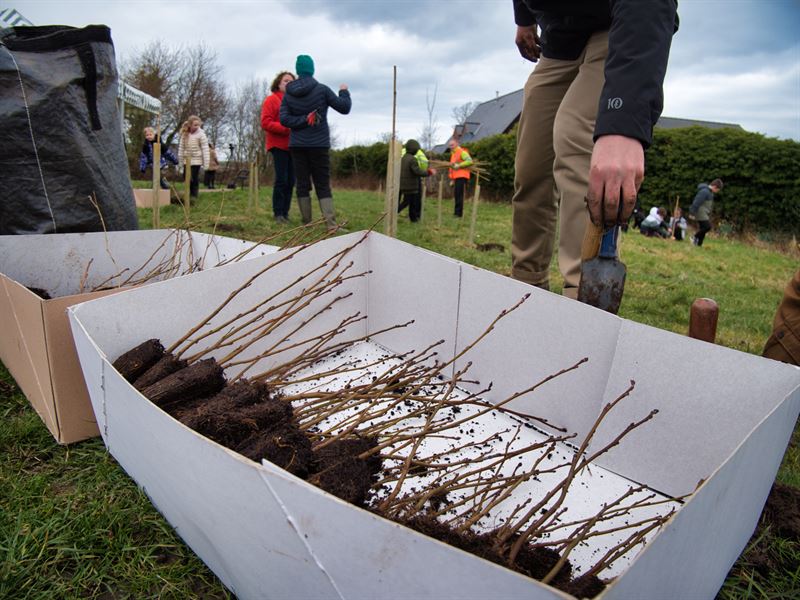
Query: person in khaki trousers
column 588, row 112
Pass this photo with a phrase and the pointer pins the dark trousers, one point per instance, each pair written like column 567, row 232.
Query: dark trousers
column 705, row 227
column 209, row 178
column 460, row 185
column 413, row 200
column 194, row 182
column 312, row 164
column 284, row 182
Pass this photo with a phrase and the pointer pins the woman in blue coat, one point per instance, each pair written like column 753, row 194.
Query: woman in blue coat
column 304, row 110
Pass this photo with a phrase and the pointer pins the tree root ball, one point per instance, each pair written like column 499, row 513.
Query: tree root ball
column 166, row 365
column 236, row 413
column 133, row 363
column 285, row 446
column 340, row 472
column 200, row 379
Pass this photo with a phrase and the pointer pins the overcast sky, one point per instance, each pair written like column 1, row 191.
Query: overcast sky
column 735, row 61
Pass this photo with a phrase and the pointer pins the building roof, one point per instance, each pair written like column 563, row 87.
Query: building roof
column 674, row 123
column 501, row 113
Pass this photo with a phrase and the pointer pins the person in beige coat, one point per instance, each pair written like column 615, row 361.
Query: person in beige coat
column 193, row 147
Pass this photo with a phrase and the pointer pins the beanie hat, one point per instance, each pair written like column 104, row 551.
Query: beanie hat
column 412, row 146
column 305, row 65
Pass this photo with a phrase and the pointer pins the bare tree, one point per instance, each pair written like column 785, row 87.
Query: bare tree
column 188, row 81
column 244, row 118
column 428, row 134
column 461, row 113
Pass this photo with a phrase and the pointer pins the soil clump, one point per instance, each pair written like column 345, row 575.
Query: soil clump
column 341, row 472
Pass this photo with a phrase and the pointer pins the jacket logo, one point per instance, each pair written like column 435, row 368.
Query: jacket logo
column 614, row 103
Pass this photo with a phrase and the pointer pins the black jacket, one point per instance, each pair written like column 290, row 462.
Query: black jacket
column 639, row 37
column 303, row 96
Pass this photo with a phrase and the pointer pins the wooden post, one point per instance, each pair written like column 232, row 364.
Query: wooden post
column 423, row 193
column 439, row 207
column 187, row 176
column 703, row 318
column 256, row 184
column 475, row 200
column 156, row 181
column 249, row 186
column 392, row 168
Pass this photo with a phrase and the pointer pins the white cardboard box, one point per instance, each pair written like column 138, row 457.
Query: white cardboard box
column 36, row 343
column 267, row 534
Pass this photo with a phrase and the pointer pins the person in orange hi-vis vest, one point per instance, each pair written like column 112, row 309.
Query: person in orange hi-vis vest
column 459, row 174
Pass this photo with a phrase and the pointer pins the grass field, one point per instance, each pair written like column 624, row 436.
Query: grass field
column 73, row 525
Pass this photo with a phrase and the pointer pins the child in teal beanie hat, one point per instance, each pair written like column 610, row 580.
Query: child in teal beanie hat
column 304, row 65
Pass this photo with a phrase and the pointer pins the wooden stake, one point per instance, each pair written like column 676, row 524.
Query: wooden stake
column 156, row 181
column 475, row 200
column 187, row 175
column 390, row 205
column 422, row 195
column 439, row 207
column 249, row 186
column 255, row 184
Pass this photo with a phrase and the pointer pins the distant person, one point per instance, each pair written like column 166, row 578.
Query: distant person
column 413, row 167
column 459, row 174
column 677, row 225
column 653, row 224
column 210, row 173
column 587, row 117
column 277, row 144
column 784, row 342
column 146, row 156
column 304, row 110
column 193, row 147
column 701, row 209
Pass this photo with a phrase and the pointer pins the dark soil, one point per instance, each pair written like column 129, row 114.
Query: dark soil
column 782, row 512
column 43, row 294
column 765, row 558
column 285, row 445
column 166, row 365
column 340, row 472
column 237, row 412
column 133, row 363
column 201, row 379
column 531, row 561
column 490, row 246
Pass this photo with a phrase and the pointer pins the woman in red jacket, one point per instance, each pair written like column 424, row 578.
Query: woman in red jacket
column 277, row 143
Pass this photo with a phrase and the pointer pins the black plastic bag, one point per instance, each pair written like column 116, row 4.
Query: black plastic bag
column 63, row 166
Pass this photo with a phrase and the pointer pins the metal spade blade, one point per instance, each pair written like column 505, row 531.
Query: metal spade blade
column 603, row 277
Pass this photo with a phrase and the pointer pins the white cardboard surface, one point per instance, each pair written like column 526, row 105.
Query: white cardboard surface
column 225, row 506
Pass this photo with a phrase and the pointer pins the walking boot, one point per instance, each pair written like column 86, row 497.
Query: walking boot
column 305, row 209
column 326, row 206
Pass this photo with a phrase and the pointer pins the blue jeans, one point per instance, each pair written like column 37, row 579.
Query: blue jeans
column 284, row 182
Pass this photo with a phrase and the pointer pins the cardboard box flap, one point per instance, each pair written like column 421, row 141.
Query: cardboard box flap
column 23, row 348
column 704, row 411
column 686, row 557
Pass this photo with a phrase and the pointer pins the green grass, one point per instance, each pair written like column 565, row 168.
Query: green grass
column 73, row 525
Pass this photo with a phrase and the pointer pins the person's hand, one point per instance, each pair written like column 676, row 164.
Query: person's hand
column 431, row 172
column 343, row 87
column 615, row 174
column 527, row 41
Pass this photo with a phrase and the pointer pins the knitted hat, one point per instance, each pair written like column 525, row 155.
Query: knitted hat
column 305, row 65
